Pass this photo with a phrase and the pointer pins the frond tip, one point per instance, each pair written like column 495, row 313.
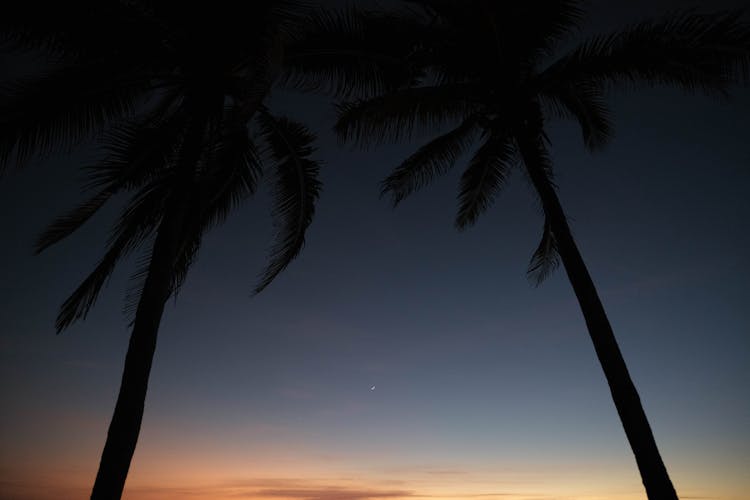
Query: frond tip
column 34, row 120
column 486, row 174
column 695, row 52
column 545, row 259
column 393, row 117
column 136, row 223
column 65, row 225
column 585, row 103
column 349, row 52
column 295, row 191
column 431, row 160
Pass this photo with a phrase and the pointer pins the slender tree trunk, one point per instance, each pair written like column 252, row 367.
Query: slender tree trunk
column 125, row 426
column 126, row 420
column 624, row 394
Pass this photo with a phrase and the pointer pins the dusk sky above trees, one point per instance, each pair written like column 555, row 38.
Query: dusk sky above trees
column 484, row 384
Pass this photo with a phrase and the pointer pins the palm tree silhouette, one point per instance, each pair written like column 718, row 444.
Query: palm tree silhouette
column 488, row 75
column 176, row 94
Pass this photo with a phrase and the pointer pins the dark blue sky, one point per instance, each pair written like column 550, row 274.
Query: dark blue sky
column 476, row 372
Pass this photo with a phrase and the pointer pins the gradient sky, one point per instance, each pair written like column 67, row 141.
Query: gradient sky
column 484, row 385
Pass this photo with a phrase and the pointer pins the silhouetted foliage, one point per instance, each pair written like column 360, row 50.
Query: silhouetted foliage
column 176, row 95
column 488, row 77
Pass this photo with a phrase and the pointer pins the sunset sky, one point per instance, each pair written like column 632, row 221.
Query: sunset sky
column 484, row 386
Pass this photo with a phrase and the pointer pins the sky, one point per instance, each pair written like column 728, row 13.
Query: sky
column 484, row 386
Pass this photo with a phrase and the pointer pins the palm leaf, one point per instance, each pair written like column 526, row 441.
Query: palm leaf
column 138, row 154
column 136, row 223
column 545, row 259
column 538, row 168
column 57, row 111
column 585, row 103
column 296, row 189
column 65, row 225
column 500, row 42
column 393, row 116
column 190, row 239
column 348, row 52
column 227, row 174
column 64, row 30
column 230, row 174
column 179, row 209
column 136, row 282
column 193, row 237
column 137, row 151
column 540, row 25
column 486, row 174
column 430, row 161
column 692, row 51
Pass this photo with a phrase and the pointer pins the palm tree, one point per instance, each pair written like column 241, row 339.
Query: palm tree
column 489, row 75
column 175, row 94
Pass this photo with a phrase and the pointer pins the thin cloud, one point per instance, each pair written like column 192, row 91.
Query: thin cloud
column 272, row 488
column 416, row 470
column 446, row 472
column 330, row 493
column 317, row 489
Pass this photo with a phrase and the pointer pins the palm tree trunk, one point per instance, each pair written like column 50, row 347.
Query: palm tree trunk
column 125, row 426
column 624, row 394
column 126, row 420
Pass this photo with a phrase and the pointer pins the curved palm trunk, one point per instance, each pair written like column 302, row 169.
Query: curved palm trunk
column 126, row 420
column 125, row 426
column 624, row 394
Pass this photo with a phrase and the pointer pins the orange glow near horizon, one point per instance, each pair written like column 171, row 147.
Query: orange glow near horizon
column 264, row 461
column 161, row 476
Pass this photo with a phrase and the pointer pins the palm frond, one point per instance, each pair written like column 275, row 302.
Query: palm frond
column 136, row 223
column 283, row 17
column 296, row 189
column 185, row 259
column 67, row 224
column 442, row 8
column 136, row 281
column 137, row 151
column 192, row 225
column 229, row 175
column 486, row 174
column 430, row 161
column 538, row 26
column 64, row 30
column 585, row 103
column 199, row 219
column 707, row 52
column 545, row 259
column 350, row 52
column 538, row 169
column 393, row 116
column 190, row 238
column 57, row 111
column 533, row 153
column 179, row 211
column 499, row 42
column 78, row 304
